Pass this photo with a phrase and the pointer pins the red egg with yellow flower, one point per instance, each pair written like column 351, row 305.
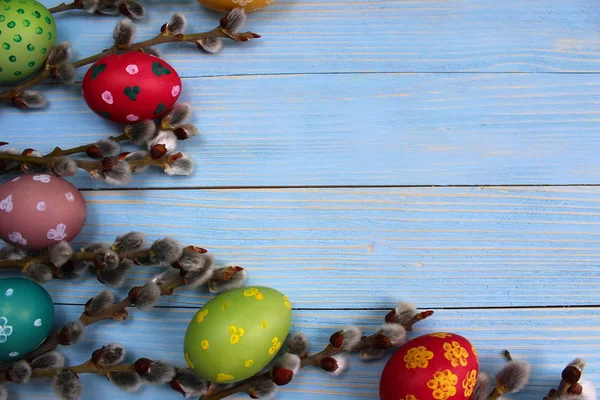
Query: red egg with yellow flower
column 437, row 366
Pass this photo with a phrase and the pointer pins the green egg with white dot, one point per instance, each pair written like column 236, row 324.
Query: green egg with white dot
column 26, row 317
column 236, row 334
column 27, row 33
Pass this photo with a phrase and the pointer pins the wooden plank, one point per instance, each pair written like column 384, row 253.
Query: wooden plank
column 365, row 248
column 388, row 129
column 531, row 334
column 313, row 36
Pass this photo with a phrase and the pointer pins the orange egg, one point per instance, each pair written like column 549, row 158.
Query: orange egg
column 228, row 5
column 438, row 366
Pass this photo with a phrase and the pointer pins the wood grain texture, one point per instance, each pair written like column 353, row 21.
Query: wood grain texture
column 383, row 129
column 364, row 248
column 547, row 338
column 314, row 36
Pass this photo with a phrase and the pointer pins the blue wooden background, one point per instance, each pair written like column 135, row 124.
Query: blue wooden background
column 359, row 154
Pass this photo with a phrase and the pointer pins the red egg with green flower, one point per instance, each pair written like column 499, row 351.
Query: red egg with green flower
column 437, row 366
column 131, row 87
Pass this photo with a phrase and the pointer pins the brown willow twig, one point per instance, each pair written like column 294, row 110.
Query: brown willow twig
column 116, row 312
column 218, row 32
column 81, row 256
column 85, row 368
column 76, row 5
column 313, row 360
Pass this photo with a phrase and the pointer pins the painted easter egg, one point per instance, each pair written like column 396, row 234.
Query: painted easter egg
column 131, row 87
column 26, row 317
column 228, row 5
column 37, row 210
column 438, row 366
column 236, row 334
column 27, row 34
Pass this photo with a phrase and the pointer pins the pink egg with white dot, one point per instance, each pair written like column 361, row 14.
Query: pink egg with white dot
column 37, row 210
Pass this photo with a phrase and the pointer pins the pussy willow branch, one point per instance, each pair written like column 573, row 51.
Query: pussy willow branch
column 81, row 256
column 85, row 368
column 313, row 360
column 76, row 5
column 88, row 166
column 67, row 152
column 218, row 32
column 106, row 313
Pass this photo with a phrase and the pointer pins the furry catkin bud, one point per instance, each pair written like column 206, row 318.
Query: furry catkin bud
column 572, row 372
column 71, row 333
column 402, row 314
column 67, row 386
column 60, row 252
column 151, row 51
column 64, row 166
column 390, row 335
column 155, row 372
column 166, row 138
column 482, row 387
column 91, row 6
column 114, row 173
column 59, row 54
column 108, row 147
column 29, row 99
column 107, row 258
column 235, row 20
column 11, row 253
column 64, row 72
column 185, row 131
column 346, row 339
column 123, row 33
column 297, row 344
column 145, row 297
column 228, row 278
column 108, row 7
column 115, row 277
column 129, row 243
column 194, row 279
column 210, row 45
column 133, row 9
column 193, row 259
column 99, row 302
column 52, row 359
column 285, row 368
column 20, row 372
column 39, row 272
column 371, row 353
column 264, row 388
column 127, row 381
column 3, row 392
column 588, row 389
column 189, row 384
column 513, row 377
column 165, row 251
column 175, row 26
column 137, row 156
column 178, row 115
column 141, row 132
column 179, row 164
column 335, row 365
column 113, row 354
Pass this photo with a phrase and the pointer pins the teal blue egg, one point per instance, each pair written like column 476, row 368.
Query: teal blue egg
column 26, row 317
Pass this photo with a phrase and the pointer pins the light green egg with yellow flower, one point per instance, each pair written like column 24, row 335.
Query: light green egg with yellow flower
column 236, row 334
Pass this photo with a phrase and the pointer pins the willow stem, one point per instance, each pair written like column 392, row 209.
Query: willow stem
column 104, row 314
column 76, row 5
column 85, row 368
column 218, row 32
column 313, row 360
column 494, row 395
